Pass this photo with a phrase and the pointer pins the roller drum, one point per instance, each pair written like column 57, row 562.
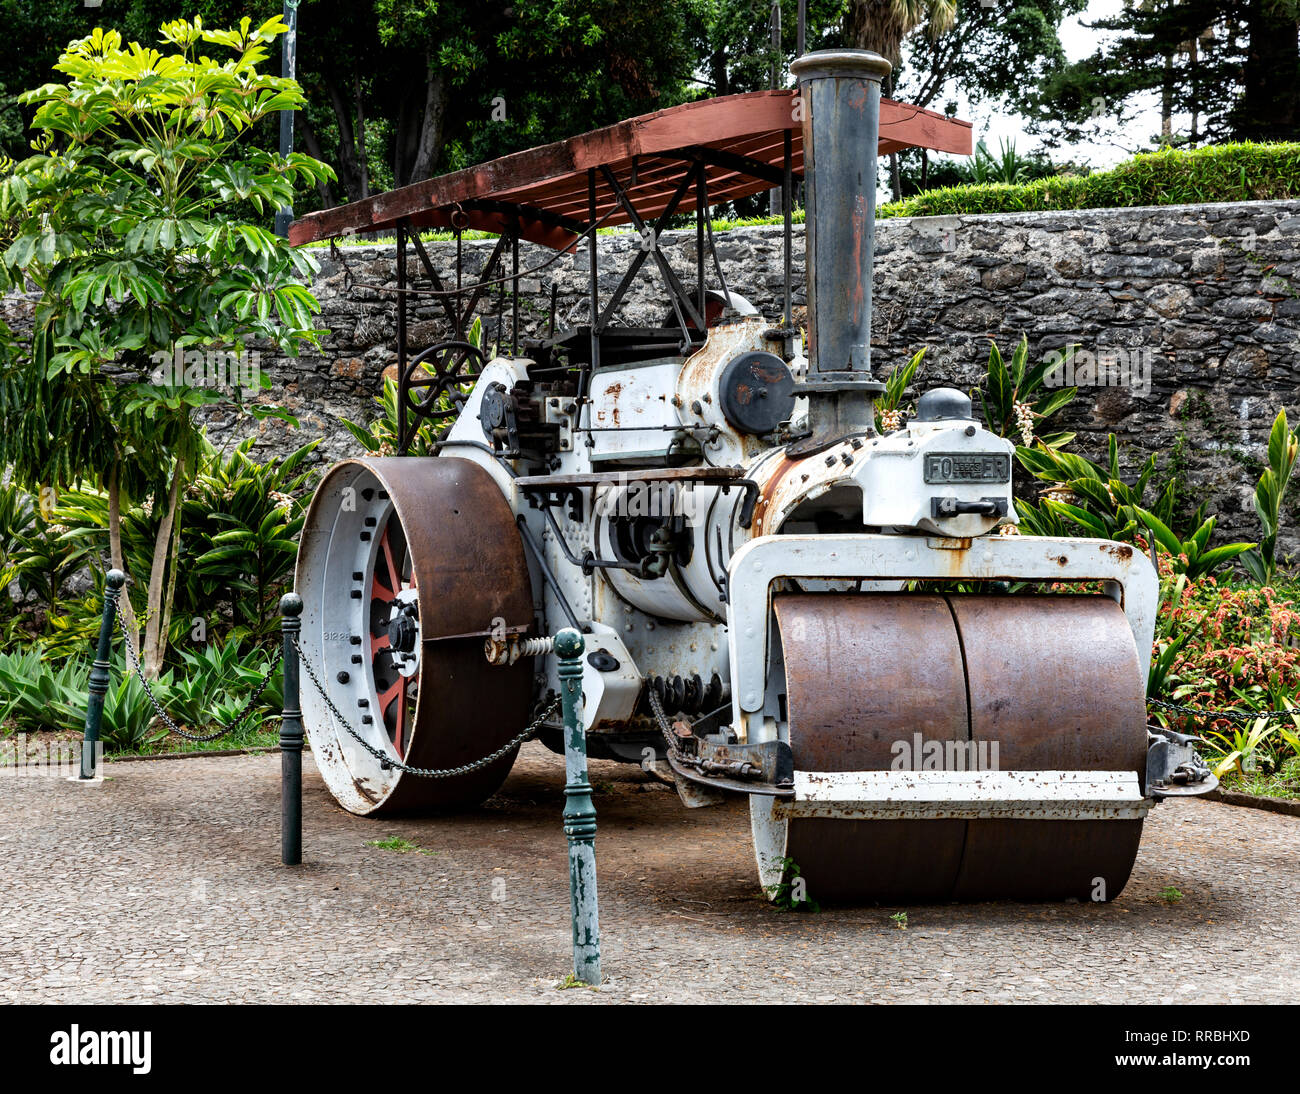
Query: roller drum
column 1052, row 681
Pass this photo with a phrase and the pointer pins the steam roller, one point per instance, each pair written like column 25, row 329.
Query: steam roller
column 781, row 601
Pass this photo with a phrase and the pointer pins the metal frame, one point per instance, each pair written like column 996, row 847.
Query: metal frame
column 689, row 312
column 458, row 315
column 761, row 562
column 734, row 145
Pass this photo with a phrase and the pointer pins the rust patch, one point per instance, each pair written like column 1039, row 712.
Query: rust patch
column 365, row 792
column 611, row 394
column 857, row 295
column 767, row 491
column 1121, row 551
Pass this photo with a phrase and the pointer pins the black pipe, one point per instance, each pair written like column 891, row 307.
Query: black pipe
column 288, row 70
column 526, row 532
column 291, row 736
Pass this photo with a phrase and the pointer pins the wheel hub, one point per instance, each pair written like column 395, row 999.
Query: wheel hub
column 404, row 633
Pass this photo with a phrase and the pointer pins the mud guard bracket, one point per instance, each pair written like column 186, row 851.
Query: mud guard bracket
column 1174, row 768
column 718, row 768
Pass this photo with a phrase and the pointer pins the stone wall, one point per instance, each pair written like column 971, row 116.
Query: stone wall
column 1203, row 299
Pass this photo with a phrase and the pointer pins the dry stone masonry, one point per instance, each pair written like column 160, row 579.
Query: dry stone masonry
column 1186, row 319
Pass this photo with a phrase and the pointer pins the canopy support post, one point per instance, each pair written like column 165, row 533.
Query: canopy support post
column 701, row 211
column 514, row 285
column 402, row 439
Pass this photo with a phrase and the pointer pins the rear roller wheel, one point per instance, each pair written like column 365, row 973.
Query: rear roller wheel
column 1051, row 681
column 404, row 566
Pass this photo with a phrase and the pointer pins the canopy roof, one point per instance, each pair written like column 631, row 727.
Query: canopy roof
column 740, row 140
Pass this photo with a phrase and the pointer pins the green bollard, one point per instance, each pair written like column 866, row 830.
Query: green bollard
column 579, row 813
column 291, row 737
column 113, row 584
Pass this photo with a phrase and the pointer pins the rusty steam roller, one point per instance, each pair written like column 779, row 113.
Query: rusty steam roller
column 778, row 600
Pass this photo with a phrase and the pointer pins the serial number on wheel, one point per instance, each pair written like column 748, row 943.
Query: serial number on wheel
column 981, row 467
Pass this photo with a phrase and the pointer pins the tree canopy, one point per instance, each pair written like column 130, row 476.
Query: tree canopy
column 137, row 221
column 399, row 90
column 1233, row 68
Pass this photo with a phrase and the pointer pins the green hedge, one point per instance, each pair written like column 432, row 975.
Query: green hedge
column 1226, row 172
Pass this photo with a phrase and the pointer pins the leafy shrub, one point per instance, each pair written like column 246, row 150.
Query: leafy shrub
column 1226, row 172
column 1226, row 647
column 36, row 694
column 1261, row 562
column 1017, row 399
column 239, row 537
column 129, row 716
column 238, row 543
column 17, row 514
column 1082, row 495
column 223, row 674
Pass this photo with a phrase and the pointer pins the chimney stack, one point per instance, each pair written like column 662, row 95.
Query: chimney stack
column 839, row 91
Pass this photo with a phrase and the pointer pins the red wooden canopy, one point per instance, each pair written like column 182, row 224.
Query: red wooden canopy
column 740, row 140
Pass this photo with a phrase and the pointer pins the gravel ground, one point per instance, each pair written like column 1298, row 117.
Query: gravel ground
column 163, row 884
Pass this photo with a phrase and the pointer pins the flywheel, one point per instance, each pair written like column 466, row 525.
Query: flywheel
column 405, row 566
column 892, row 682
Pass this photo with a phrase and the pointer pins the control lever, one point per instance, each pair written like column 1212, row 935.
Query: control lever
column 952, row 507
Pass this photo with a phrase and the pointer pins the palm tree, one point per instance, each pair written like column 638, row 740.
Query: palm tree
column 881, row 25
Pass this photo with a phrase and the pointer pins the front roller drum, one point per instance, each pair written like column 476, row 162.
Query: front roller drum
column 405, row 565
column 1052, row 681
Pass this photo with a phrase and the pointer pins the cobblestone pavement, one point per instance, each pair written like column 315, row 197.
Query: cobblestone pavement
column 164, row 884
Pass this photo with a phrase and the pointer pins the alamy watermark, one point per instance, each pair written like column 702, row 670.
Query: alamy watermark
column 1109, row 367
column 111, row 1048
column 221, row 370
column 625, row 497
column 47, row 759
column 918, row 754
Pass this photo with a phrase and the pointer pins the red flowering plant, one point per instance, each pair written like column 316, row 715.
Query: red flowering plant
column 1220, row 646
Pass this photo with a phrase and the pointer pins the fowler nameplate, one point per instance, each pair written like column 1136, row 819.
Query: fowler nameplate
column 958, row 467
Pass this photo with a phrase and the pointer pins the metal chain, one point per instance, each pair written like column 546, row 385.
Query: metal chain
column 426, row 772
column 1241, row 717
column 134, row 663
column 665, row 726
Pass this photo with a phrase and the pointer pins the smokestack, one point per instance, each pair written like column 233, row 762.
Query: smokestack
column 839, row 91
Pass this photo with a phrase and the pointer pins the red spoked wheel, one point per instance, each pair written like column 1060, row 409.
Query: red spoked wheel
column 393, row 598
